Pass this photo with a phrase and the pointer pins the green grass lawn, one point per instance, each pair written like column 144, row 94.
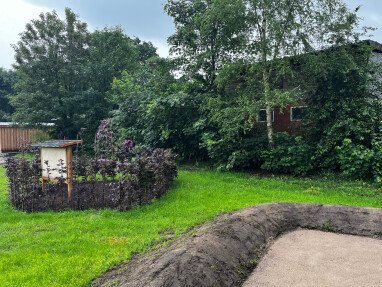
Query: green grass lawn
column 71, row 248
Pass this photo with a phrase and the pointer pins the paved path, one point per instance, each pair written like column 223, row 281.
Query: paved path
column 313, row 258
column 2, row 159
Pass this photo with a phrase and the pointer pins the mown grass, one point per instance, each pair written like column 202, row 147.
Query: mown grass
column 71, row 248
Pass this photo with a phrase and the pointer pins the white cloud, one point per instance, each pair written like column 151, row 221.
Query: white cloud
column 161, row 45
column 14, row 15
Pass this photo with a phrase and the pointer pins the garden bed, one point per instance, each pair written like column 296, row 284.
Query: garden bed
column 98, row 183
column 96, row 195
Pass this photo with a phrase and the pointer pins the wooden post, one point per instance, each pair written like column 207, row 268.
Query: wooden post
column 42, row 177
column 69, row 173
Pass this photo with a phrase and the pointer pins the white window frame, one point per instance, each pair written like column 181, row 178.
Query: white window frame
column 291, row 113
column 273, row 116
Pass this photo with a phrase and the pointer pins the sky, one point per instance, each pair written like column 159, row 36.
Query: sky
column 141, row 18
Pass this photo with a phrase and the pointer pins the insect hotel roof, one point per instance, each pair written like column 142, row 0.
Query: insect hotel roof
column 57, row 143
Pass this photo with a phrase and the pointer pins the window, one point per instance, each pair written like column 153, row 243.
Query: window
column 262, row 117
column 297, row 113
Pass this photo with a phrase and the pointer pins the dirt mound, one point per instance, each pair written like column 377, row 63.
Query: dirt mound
column 225, row 251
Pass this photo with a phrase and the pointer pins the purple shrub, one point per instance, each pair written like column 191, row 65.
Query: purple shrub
column 103, row 143
column 128, row 145
column 124, row 150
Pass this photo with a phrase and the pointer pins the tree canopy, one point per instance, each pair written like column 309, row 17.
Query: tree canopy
column 65, row 72
column 208, row 34
column 213, row 33
column 51, row 59
column 7, row 81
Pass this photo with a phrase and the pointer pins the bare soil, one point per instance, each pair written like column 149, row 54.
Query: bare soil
column 307, row 258
column 226, row 251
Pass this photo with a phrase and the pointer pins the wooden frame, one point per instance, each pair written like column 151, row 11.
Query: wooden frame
column 291, row 113
column 258, row 116
column 64, row 146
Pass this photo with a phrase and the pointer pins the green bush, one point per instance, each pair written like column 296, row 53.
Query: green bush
column 174, row 122
column 361, row 162
column 158, row 111
column 242, row 153
column 342, row 104
column 291, row 155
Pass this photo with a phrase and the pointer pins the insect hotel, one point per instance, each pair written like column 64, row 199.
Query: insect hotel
column 57, row 153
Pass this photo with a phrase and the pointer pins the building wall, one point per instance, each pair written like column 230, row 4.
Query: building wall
column 283, row 123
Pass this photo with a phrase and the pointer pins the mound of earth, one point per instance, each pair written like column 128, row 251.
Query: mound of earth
column 225, row 251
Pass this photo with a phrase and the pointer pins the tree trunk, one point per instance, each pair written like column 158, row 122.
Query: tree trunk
column 268, row 108
column 266, row 86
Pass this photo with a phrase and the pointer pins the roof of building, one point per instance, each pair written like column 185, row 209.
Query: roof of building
column 7, row 124
column 57, row 143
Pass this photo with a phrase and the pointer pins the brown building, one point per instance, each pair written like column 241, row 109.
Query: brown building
column 287, row 120
column 290, row 119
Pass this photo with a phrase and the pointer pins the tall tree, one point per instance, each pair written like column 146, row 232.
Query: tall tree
column 7, row 80
column 66, row 72
column 211, row 33
column 51, row 57
column 110, row 53
column 284, row 28
column 208, row 33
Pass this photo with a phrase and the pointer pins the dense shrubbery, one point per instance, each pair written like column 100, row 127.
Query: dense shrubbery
column 290, row 156
column 360, row 162
column 219, row 125
column 98, row 183
column 342, row 95
column 231, row 153
column 158, row 111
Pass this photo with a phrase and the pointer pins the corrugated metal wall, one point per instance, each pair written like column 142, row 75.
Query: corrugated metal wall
column 12, row 138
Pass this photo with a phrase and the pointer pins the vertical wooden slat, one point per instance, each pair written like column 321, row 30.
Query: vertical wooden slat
column 1, row 142
column 11, row 138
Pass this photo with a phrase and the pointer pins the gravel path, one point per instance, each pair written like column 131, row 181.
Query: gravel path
column 2, row 159
column 307, row 258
